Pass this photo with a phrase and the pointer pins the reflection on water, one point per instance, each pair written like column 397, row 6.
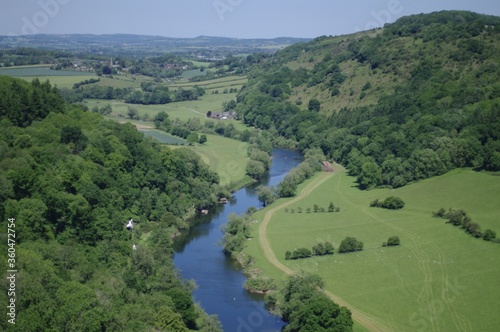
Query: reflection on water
column 220, row 282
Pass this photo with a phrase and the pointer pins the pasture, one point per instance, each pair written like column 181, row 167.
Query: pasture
column 227, row 157
column 163, row 137
column 439, row 279
column 61, row 78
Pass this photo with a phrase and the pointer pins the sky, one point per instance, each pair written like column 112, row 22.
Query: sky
column 224, row 18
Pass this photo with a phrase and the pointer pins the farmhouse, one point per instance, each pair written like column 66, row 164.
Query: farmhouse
column 223, row 115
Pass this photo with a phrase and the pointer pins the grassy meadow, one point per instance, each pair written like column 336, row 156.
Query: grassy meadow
column 61, row 78
column 227, row 157
column 439, row 279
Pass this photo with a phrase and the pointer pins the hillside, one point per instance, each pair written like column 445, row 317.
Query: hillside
column 69, row 183
column 412, row 100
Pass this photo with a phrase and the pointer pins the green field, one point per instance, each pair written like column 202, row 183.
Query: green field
column 61, row 78
column 163, row 137
column 227, row 157
column 439, row 279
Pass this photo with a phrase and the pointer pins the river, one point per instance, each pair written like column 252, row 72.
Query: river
column 220, row 282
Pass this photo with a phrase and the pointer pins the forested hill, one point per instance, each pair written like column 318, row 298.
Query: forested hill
column 71, row 181
column 412, row 100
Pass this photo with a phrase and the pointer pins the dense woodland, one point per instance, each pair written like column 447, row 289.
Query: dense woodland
column 72, row 181
column 427, row 89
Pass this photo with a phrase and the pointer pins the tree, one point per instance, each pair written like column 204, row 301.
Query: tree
column 350, row 244
column 393, row 203
column 266, row 195
column 319, row 313
column 255, row 169
column 489, row 235
column 393, row 241
column 192, row 138
column 132, row 113
column 371, row 175
column 203, row 139
column 314, row 105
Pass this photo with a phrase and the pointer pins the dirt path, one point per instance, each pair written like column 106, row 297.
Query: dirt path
column 363, row 319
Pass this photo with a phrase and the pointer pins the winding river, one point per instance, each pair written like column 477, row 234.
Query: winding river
column 220, row 282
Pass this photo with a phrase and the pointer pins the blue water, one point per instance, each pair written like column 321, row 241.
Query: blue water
column 220, row 281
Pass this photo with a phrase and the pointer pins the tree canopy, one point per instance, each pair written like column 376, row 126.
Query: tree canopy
column 71, row 180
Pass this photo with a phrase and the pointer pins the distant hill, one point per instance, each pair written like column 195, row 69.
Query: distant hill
column 409, row 101
column 121, row 44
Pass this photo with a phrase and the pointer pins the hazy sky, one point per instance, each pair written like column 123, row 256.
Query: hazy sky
column 228, row 18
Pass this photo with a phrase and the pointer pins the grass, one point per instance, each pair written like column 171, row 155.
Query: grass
column 439, row 279
column 163, row 137
column 227, row 157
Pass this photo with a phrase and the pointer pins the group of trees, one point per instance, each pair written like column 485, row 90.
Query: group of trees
column 320, row 249
column 85, row 82
column 304, row 171
column 349, row 244
column 71, row 180
column 316, row 208
column 236, row 232
column 460, row 218
column 391, row 203
column 259, row 152
column 150, row 94
column 302, row 303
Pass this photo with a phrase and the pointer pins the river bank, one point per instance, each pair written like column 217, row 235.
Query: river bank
column 219, row 278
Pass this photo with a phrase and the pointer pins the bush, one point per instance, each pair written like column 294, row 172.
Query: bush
column 259, row 284
column 321, row 249
column 489, row 235
column 391, row 203
column 350, row 244
column 393, row 241
column 300, row 253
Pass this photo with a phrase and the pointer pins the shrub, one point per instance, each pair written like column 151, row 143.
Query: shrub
column 391, row 203
column 300, row 253
column 489, row 235
column 323, row 248
column 350, row 244
column 393, row 241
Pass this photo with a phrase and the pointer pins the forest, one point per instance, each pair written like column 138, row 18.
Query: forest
column 71, row 181
column 422, row 97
